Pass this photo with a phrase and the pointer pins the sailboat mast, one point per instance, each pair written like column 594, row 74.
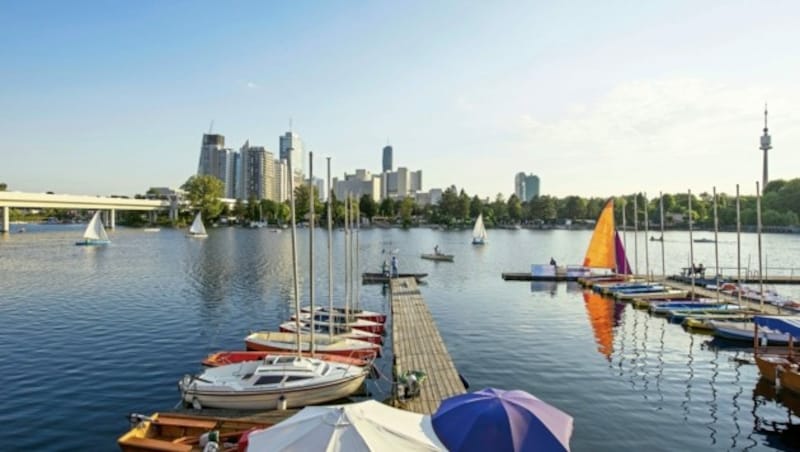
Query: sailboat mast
column 346, row 263
column 311, row 246
column 758, row 226
column 738, row 246
column 294, row 259
column 625, row 229
column 691, row 244
column 636, row 234
column 716, row 243
column 357, row 269
column 663, row 259
column 330, row 253
column 646, row 235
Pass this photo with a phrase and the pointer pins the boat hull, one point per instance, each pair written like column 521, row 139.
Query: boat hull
column 768, row 366
column 93, row 242
column 233, row 357
column 270, row 399
column 438, row 257
column 790, row 379
column 353, row 334
column 361, row 314
column 353, row 349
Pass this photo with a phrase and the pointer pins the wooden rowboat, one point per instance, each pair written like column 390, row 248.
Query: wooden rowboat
column 180, row 432
column 438, row 257
column 378, row 278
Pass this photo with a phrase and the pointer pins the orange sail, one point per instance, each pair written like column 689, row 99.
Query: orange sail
column 601, row 316
column 601, row 248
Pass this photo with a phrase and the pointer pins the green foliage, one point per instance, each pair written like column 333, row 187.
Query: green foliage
column 368, row 206
column 204, row 193
column 3, row 186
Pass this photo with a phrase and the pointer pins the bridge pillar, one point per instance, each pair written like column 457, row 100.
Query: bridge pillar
column 112, row 219
column 4, row 227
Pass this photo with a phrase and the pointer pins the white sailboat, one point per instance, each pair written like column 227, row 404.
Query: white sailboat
column 95, row 233
column 198, row 230
column 479, row 232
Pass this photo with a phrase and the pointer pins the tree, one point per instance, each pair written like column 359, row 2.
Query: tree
column 368, row 206
column 204, row 193
column 514, row 208
column 462, row 207
column 3, row 186
column 475, row 207
column 406, row 209
column 574, row 207
column 387, row 208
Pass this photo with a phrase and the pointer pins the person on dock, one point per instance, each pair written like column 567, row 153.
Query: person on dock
column 552, row 261
column 395, row 272
column 436, row 250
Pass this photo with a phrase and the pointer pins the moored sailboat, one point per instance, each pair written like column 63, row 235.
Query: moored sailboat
column 95, row 233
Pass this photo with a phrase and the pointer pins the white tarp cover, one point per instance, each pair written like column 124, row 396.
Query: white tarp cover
column 363, row 426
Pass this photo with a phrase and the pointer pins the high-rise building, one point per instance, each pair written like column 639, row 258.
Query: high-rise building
column 319, row 186
column 281, row 182
column 387, row 158
column 415, row 183
column 291, row 148
column 358, row 184
column 526, row 187
column 258, row 172
column 218, row 161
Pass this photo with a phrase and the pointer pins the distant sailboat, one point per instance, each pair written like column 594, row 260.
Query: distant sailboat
column 479, row 232
column 198, row 230
column 95, row 233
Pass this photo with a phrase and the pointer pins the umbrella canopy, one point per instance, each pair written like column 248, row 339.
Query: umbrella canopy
column 498, row 420
column 364, row 426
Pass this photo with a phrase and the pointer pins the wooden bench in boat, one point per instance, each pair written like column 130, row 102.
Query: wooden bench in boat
column 179, row 421
column 154, row 444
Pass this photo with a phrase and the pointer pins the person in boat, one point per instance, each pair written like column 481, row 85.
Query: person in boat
column 552, row 261
column 395, row 272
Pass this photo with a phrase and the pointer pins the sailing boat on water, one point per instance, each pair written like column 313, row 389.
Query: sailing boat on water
column 605, row 248
column 479, row 232
column 198, row 229
column 95, row 233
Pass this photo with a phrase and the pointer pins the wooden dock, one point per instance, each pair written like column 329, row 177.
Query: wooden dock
column 511, row 276
column 417, row 345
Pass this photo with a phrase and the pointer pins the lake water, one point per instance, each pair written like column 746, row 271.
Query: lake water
column 91, row 334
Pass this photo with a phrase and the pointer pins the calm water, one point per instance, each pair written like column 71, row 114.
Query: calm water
column 89, row 335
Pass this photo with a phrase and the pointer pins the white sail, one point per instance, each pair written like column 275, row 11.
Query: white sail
column 479, row 231
column 95, row 229
column 197, row 227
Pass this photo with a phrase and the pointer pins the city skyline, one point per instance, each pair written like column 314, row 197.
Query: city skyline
column 663, row 96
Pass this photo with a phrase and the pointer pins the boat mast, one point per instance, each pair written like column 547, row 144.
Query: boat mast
column 330, row 254
column 738, row 247
column 636, row 234
column 357, row 270
column 625, row 230
column 646, row 240
column 716, row 243
column 691, row 244
column 294, row 258
column 758, row 226
column 663, row 259
column 346, row 263
column 311, row 246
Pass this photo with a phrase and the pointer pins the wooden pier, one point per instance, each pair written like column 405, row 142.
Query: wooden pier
column 417, row 345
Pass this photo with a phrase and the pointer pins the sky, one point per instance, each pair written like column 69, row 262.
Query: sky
column 596, row 98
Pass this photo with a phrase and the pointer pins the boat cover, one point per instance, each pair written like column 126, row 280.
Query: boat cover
column 787, row 325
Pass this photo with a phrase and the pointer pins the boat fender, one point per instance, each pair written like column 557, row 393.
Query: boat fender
column 136, row 418
column 209, row 437
column 282, row 403
column 196, row 404
column 764, row 341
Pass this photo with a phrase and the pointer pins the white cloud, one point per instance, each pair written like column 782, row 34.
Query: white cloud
column 252, row 85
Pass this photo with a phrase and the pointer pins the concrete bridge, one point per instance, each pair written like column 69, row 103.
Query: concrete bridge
column 16, row 199
column 12, row 199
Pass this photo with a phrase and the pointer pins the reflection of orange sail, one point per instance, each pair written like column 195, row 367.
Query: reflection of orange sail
column 601, row 315
column 600, row 253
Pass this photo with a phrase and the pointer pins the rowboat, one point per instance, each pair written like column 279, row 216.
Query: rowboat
column 180, row 432
column 276, row 382
column 230, row 357
column 286, row 342
column 438, row 257
column 378, row 278
column 768, row 366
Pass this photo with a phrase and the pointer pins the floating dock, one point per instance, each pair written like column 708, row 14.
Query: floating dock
column 417, row 345
column 510, row 276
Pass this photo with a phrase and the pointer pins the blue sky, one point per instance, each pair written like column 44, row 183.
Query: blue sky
column 597, row 98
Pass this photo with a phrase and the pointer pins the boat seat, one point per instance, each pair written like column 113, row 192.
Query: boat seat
column 185, row 422
column 156, row 444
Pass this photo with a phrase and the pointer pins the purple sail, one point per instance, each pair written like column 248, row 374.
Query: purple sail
column 623, row 267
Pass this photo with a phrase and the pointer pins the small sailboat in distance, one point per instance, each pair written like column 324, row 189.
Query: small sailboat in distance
column 479, row 232
column 95, row 233
column 198, row 230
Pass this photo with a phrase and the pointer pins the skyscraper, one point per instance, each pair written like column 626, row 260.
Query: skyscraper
column 217, row 161
column 291, row 148
column 526, row 187
column 387, row 158
column 258, row 172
